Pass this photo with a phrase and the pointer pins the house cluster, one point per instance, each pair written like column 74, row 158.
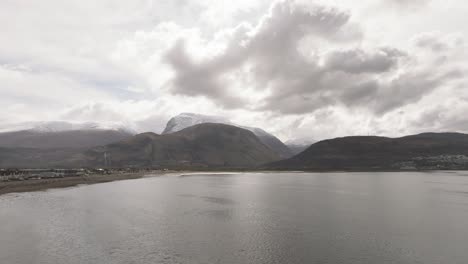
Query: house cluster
column 35, row 174
column 440, row 162
column 29, row 174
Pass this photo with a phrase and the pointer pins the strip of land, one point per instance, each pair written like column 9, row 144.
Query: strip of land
column 43, row 184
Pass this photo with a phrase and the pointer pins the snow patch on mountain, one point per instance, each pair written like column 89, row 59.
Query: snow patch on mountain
column 62, row 126
column 185, row 120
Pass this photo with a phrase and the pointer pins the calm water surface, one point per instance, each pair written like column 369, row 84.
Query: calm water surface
column 244, row 218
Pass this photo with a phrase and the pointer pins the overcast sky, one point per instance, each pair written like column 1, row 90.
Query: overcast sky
column 298, row 69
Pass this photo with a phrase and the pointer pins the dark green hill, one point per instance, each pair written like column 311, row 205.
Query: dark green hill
column 203, row 145
column 423, row 151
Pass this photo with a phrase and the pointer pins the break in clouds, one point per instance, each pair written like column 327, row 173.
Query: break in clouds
column 300, row 69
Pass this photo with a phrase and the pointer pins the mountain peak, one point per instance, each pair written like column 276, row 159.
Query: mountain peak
column 201, row 145
column 185, row 120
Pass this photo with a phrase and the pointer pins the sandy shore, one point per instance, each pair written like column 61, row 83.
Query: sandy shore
column 43, row 184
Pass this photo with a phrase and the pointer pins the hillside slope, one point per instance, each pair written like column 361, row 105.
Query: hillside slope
column 203, row 145
column 185, row 120
column 423, row 151
column 40, row 158
column 61, row 139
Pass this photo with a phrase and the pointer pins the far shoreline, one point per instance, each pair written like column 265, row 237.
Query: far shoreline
column 35, row 185
column 55, row 183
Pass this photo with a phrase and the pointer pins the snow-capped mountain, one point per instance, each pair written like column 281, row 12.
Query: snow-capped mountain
column 185, row 120
column 59, row 134
column 62, row 126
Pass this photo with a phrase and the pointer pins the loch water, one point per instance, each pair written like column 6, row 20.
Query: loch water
column 323, row 218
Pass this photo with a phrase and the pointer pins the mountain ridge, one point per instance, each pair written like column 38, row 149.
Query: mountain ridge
column 185, row 120
column 202, row 145
column 421, row 151
column 60, row 139
column 61, row 126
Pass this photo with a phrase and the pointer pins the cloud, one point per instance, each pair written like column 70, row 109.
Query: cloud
column 372, row 80
column 407, row 4
column 410, row 2
column 359, row 61
column 438, row 42
column 302, row 58
column 411, row 87
column 200, row 79
column 261, row 50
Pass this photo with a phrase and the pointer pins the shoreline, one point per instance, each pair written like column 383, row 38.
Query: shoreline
column 55, row 183
column 35, row 185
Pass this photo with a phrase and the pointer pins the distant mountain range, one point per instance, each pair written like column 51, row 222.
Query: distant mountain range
column 428, row 151
column 62, row 126
column 196, row 141
column 61, row 139
column 201, row 146
column 54, row 144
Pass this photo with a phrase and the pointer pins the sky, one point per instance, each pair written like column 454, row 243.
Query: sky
column 298, row 69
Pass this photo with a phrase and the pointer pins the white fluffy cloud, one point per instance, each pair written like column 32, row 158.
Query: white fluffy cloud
column 313, row 69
